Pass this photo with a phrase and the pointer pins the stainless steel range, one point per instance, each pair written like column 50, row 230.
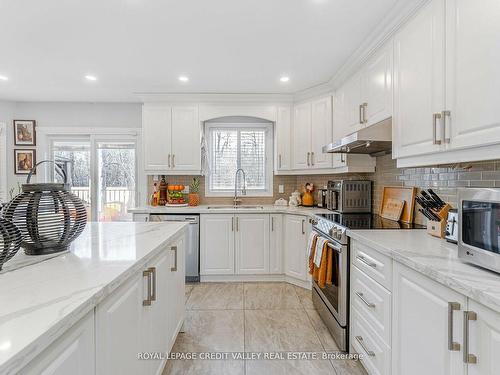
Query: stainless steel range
column 332, row 301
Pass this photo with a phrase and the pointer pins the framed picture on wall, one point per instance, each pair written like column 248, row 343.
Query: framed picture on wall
column 24, row 132
column 24, row 160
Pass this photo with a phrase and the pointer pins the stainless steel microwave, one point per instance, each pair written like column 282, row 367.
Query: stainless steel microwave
column 479, row 227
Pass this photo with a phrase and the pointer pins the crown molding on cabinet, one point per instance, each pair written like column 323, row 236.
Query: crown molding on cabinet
column 213, row 98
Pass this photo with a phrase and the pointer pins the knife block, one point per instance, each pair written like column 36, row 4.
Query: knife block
column 438, row 228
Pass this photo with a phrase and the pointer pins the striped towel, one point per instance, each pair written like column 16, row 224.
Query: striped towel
column 320, row 244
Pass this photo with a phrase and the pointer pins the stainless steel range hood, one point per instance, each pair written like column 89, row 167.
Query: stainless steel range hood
column 374, row 140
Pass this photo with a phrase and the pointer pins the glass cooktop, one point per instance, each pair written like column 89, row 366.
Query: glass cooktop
column 367, row 221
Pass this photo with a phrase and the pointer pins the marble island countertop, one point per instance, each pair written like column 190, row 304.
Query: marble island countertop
column 39, row 302
column 244, row 208
column 436, row 259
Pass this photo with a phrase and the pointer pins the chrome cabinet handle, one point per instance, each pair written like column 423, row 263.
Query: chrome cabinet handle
column 147, row 301
column 312, row 158
column 308, row 157
column 169, row 160
column 435, row 117
column 272, row 223
column 174, row 268
column 173, row 160
column 452, row 306
column 468, row 358
column 361, row 113
column 303, row 230
column 362, row 298
column 232, row 224
column 364, row 106
column 361, row 342
column 279, row 161
column 368, row 263
column 446, row 126
column 237, row 224
column 153, row 277
column 342, row 158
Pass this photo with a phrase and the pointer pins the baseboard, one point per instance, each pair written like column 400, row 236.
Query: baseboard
column 255, row 278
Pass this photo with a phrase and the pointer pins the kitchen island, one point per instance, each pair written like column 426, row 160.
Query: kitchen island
column 44, row 304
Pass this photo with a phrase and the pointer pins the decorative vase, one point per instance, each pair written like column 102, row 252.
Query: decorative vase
column 48, row 215
column 10, row 240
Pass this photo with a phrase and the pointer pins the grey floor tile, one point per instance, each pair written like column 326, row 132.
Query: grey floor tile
column 270, row 296
column 290, row 367
column 205, row 367
column 216, row 296
column 212, row 330
column 279, row 330
column 324, row 335
column 187, row 291
column 304, row 297
column 348, row 367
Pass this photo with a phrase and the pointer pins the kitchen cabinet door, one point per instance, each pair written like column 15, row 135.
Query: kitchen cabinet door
column 178, row 285
column 186, row 134
column 353, row 102
column 295, row 244
column 420, row 325
column 340, row 126
column 156, row 136
column 302, row 136
column 377, row 86
column 321, row 132
column 419, row 83
column 472, row 72
column 283, row 133
column 121, row 324
column 217, row 244
column 73, row 353
column 252, row 243
column 484, row 340
column 276, row 244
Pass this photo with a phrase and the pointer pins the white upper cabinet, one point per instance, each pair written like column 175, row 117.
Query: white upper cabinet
column 377, row 86
column 283, row 131
column 349, row 105
column 321, row 132
column 171, row 139
column 186, row 130
column 419, row 82
column 472, row 72
column 302, row 136
column 312, row 129
column 156, row 136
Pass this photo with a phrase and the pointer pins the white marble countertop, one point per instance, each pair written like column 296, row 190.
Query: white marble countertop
column 204, row 209
column 436, row 259
column 39, row 302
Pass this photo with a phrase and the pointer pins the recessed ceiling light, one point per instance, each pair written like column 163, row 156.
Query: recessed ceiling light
column 285, row 79
column 4, row 78
column 183, row 78
column 89, row 77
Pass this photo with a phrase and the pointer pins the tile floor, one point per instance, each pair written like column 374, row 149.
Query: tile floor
column 254, row 317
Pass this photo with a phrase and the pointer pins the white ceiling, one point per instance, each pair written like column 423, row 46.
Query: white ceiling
column 224, row 46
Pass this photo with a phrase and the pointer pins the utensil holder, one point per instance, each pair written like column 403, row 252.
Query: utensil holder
column 438, row 228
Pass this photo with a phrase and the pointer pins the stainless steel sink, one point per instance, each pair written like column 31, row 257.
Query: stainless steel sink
column 242, row 207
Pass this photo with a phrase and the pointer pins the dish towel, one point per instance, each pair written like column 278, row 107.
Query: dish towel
column 320, row 273
column 311, row 248
column 320, row 245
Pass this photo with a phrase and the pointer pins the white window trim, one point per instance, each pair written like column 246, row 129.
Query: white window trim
column 268, row 192
column 46, row 135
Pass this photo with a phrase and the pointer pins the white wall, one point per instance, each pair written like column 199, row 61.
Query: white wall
column 106, row 115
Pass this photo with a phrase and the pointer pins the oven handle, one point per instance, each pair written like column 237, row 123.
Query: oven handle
column 337, row 248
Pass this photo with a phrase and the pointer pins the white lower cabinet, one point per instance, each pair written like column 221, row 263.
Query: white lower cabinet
column 276, row 244
column 73, row 353
column 295, row 246
column 217, row 244
column 252, row 243
column 427, row 325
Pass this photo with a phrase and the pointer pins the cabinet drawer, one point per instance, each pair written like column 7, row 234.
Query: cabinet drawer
column 372, row 263
column 372, row 301
column 376, row 354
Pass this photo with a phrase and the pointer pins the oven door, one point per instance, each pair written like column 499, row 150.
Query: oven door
column 479, row 227
column 334, row 295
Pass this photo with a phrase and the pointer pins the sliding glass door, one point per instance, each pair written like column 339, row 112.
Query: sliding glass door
column 102, row 172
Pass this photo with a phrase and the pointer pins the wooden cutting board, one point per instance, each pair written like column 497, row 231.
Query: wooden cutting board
column 392, row 209
column 400, row 193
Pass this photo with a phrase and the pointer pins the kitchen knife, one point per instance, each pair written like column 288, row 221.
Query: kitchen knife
column 436, row 197
column 432, row 202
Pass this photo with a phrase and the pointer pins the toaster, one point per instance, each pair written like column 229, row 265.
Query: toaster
column 451, row 234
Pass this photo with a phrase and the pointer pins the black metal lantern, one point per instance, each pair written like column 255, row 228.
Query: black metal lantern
column 48, row 215
column 10, row 240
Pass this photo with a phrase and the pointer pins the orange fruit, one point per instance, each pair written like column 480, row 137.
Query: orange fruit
column 181, row 187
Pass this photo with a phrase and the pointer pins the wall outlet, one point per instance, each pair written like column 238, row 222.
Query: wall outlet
column 281, row 189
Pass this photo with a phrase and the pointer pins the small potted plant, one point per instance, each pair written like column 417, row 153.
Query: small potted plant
column 194, row 192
